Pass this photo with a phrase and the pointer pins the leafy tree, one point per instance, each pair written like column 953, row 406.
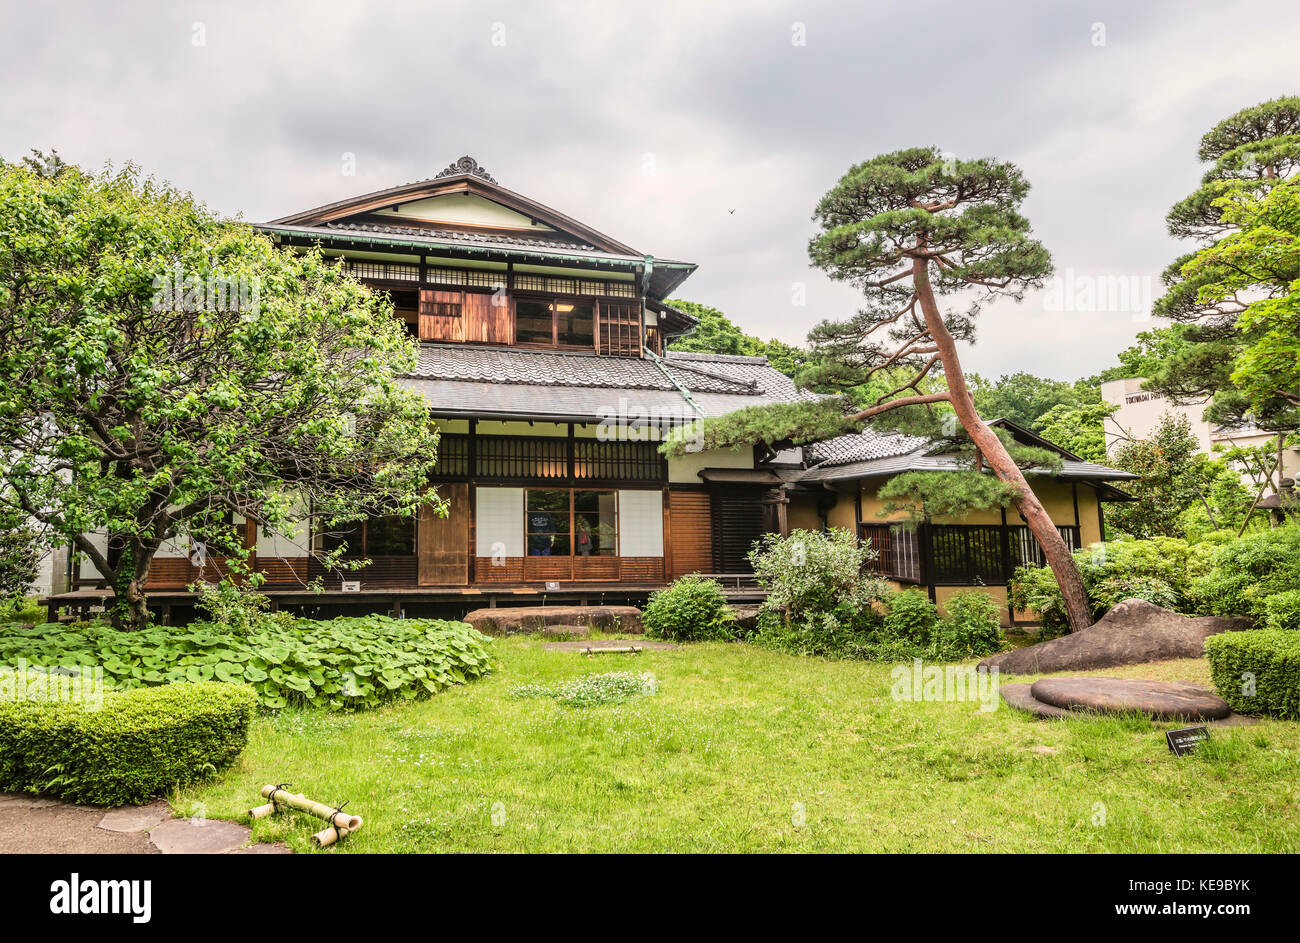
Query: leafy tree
column 162, row 371
column 715, row 333
column 1173, row 475
column 21, row 548
column 904, row 228
column 1250, row 154
column 1078, row 428
column 1024, row 398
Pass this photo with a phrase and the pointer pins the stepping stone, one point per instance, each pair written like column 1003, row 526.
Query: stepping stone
column 188, row 837
column 24, row 800
column 1159, row 700
column 136, row 818
column 515, row 620
column 1018, row 696
column 560, row 631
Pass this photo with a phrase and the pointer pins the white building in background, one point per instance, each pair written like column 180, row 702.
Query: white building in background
column 1140, row 411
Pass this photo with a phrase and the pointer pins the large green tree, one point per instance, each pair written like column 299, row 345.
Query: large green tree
column 162, row 371
column 1248, row 155
column 907, row 228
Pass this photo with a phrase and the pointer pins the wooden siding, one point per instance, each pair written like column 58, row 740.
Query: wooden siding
column 480, row 321
column 443, row 542
column 691, row 535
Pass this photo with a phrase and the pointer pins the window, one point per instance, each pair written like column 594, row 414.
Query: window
column 555, row 323
column 376, row 537
column 595, row 523
column 546, row 521
column 533, row 323
column 406, row 305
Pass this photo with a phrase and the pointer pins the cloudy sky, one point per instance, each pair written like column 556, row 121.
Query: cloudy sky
column 692, row 130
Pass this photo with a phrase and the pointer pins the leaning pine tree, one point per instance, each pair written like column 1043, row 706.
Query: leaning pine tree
column 906, row 227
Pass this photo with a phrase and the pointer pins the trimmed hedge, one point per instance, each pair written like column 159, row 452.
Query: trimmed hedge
column 137, row 745
column 1272, row 656
column 693, row 609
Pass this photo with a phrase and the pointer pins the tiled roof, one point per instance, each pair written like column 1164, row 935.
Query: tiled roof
column 863, row 446
column 501, row 381
column 564, row 368
column 539, row 240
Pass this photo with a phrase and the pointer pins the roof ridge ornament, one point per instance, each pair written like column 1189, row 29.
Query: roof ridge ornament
column 466, row 165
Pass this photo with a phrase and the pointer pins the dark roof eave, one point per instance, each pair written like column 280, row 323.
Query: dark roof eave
column 659, row 287
column 505, row 415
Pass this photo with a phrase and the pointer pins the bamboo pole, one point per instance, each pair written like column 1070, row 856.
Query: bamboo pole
column 339, row 820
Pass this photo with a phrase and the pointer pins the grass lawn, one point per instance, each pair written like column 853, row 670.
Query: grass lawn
column 739, row 740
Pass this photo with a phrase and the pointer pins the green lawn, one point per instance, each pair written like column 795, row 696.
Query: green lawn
column 737, row 741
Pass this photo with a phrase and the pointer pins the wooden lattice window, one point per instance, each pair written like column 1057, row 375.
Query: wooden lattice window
column 383, row 271
column 594, row 460
column 468, row 278
column 620, row 328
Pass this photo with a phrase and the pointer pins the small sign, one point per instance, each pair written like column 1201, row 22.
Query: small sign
column 1185, row 740
column 552, row 585
column 351, row 586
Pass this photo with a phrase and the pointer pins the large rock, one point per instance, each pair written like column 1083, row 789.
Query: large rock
column 746, row 617
column 1133, row 632
column 519, row 620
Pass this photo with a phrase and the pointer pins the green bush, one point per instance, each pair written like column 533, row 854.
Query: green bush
column 1245, row 573
column 1257, row 671
column 137, row 745
column 1224, row 576
column 693, row 609
column 810, row 573
column 341, row 664
column 972, row 627
column 911, row 616
column 1282, row 611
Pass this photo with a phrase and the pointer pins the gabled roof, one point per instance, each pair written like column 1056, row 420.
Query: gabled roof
column 463, row 176
column 514, row 383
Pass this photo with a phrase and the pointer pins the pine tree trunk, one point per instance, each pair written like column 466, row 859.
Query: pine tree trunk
column 1000, row 462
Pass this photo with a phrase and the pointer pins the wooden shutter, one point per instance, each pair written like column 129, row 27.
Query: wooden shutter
column 444, row 541
column 737, row 522
column 690, row 534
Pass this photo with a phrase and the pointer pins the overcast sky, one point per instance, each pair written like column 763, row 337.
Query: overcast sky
column 697, row 131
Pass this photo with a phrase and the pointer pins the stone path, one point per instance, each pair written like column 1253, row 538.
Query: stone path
column 36, row 825
column 1159, row 700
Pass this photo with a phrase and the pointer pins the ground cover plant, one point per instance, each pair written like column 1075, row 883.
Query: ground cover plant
column 747, row 749
column 611, row 687
column 339, row 664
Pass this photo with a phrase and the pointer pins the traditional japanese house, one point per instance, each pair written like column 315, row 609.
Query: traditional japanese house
column 544, row 358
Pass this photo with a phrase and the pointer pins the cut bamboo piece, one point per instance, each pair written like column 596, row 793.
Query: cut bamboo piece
column 328, row 836
column 262, row 811
column 303, row 804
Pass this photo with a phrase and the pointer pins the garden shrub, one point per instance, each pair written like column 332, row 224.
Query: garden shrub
column 811, row 573
column 135, row 746
column 972, row 627
column 1257, row 671
column 1224, row 576
column 1282, row 611
column 911, row 615
column 341, row 664
column 1245, row 573
column 692, row 609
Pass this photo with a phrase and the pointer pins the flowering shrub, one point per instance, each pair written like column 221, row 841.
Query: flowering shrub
column 810, row 573
column 592, row 690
